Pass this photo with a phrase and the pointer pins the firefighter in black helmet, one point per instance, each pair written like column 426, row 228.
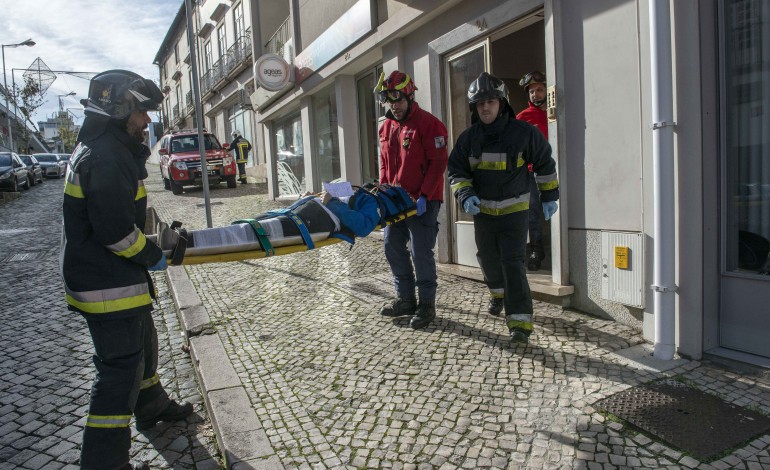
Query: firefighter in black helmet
column 105, row 263
column 488, row 173
column 241, row 147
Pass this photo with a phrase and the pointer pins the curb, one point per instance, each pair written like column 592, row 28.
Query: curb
column 242, row 440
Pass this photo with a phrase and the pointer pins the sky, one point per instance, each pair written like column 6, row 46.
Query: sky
column 83, row 36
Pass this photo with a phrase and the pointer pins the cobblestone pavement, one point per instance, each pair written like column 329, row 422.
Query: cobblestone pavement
column 337, row 386
column 45, row 355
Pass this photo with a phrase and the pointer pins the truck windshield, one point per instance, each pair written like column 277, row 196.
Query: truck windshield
column 189, row 143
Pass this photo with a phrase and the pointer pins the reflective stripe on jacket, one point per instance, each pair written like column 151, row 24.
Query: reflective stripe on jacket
column 105, row 253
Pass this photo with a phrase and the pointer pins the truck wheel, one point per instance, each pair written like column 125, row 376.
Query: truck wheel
column 175, row 188
column 166, row 184
column 231, row 182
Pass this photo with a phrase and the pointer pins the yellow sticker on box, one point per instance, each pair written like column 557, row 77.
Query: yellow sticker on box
column 621, row 257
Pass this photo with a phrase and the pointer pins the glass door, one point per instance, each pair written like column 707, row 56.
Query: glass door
column 369, row 112
column 461, row 69
column 744, row 316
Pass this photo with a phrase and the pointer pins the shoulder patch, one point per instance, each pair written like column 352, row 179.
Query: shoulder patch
column 440, row 142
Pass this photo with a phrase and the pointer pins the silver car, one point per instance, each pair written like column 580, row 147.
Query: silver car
column 51, row 164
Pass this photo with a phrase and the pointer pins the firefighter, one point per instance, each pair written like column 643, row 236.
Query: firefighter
column 534, row 85
column 413, row 156
column 241, row 148
column 489, row 177
column 105, row 263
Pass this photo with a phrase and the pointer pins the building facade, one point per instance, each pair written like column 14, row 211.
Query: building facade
column 223, row 39
column 673, row 241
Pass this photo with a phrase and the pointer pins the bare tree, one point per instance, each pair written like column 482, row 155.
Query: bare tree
column 27, row 98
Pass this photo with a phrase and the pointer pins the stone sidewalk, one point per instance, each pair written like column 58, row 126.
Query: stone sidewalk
column 46, row 368
column 299, row 370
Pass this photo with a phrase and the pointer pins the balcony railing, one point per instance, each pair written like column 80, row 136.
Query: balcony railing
column 236, row 55
column 278, row 42
column 188, row 101
column 175, row 112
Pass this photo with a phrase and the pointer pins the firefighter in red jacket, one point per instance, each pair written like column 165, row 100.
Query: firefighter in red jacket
column 413, row 155
column 105, row 263
column 534, row 85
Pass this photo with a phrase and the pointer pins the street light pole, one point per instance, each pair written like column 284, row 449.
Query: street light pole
column 29, row 43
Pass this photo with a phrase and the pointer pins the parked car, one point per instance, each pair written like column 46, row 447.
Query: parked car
column 51, row 165
column 34, row 171
column 13, row 172
column 64, row 157
column 180, row 163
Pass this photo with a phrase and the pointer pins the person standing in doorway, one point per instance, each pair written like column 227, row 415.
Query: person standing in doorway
column 488, row 171
column 534, row 85
column 413, row 156
column 105, row 261
column 241, row 147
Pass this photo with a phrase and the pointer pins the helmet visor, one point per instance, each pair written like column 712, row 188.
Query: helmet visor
column 146, row 93
column 532, row 77
column 390, row 96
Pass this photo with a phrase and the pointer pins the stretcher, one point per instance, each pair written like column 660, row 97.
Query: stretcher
column 305, row 225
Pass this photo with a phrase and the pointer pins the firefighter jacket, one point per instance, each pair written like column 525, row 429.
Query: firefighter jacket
column 413, row 153
column 105, row 254
column 241, row 148
column 490, row 161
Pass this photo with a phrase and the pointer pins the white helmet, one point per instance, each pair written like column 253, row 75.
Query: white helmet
column 236, row 134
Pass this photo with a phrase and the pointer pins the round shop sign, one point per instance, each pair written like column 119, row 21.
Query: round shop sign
column 272, row 72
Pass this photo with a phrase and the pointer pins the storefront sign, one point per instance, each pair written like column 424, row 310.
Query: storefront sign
column 349, row 28
column 272, row 72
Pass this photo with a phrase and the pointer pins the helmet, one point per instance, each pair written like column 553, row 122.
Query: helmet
column 486, row 87
column 115, row 94
column 532, row 77
column 398, row 85
column 236, row 134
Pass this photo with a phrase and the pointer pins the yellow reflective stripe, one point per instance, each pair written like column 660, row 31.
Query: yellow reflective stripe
column 147, row 383
column 110, row 300
column 497, row 293
column 461, row 184
column 130, row 245
column 518, row 207
column 522, row 325
column 107, row 421
column 73, row 190
column 548, row 186
column 402, row 85
column 492, row 166
column 141, row 192
column 519, row 161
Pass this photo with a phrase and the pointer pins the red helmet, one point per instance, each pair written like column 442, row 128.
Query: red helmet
column 398, row 85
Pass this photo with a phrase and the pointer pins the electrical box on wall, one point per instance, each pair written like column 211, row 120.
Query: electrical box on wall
column 551, row 103
column 623, row 268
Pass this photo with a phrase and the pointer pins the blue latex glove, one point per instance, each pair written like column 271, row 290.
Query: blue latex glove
column 161, row 265
column 471, row 205
column 422, row 205
column 549, row 209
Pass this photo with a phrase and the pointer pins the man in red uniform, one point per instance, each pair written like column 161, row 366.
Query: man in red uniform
column 534, row 84
column 414, row 156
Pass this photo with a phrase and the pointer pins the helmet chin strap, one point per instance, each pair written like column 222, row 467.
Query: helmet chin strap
column 538, row 103
column 408, row 109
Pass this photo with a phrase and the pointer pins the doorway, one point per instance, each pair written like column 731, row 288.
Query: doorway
column 508, row 54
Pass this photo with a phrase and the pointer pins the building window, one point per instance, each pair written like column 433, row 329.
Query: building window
column 290, row 158
column 369, row 112
column 207, row 56
column 221, row 40
column 327, row 148
column 176, row 53
column 238, row 21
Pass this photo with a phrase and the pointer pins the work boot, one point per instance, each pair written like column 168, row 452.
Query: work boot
column 495, row 306
column 520, row 336
column 173, row 412
column 399, row 308
column 535, row 258
column 426, row 312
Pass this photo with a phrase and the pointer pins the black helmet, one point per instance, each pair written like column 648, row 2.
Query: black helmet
column 487, row 87
column 115, row 94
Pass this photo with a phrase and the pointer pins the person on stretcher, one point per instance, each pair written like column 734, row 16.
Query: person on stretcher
column 317, row 218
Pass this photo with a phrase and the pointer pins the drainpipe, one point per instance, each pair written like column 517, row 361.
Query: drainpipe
column 663, row 180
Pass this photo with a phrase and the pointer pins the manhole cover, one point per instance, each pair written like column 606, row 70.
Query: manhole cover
column 693, row 421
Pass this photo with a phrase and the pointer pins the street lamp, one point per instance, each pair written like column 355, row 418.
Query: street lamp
column 29, row 43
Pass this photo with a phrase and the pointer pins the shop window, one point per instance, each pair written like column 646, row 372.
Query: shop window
column 289, row 158
column 327, row 149
column 369, row 112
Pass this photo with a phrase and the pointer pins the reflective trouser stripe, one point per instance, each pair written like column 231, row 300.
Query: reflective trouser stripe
column 147, row 383
column 106, row 421
column 497, row 293
column 110, row 300
column 521, row 321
